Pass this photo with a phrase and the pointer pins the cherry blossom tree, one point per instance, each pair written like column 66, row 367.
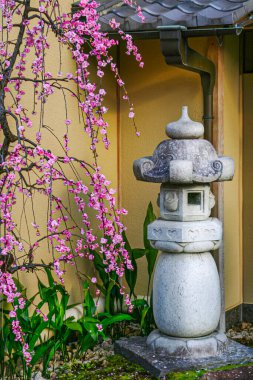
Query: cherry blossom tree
column 28, row 168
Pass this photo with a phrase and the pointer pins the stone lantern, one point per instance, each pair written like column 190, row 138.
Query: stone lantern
column 186, row 289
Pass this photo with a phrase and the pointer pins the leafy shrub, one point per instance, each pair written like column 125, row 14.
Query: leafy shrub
column 50, row 332
column 47, row 333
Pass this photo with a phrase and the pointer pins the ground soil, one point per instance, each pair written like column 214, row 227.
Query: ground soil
column 243, row 373
column 101, row 364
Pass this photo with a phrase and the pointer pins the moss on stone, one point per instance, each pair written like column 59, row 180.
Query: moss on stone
column 192, row 375
column 116, row 367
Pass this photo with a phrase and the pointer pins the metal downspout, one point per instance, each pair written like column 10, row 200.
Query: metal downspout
column 177, row 52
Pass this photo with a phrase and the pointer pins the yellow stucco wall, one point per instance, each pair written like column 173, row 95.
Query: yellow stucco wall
column 233, row 190
column 158, row 92
column 248, row 187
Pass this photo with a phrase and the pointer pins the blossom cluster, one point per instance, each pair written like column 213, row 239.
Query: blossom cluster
column 27, row 167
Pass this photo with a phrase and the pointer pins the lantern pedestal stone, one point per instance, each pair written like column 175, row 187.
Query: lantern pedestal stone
column 186, row 286
column 203, row 347
column 186, row 294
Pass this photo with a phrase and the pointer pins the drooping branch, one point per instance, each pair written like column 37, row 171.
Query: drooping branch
column 34, row 266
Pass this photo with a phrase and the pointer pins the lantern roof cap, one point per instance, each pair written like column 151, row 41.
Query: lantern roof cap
column 185, row 158
column 185, row 128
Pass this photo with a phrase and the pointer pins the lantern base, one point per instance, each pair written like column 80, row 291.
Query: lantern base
column 210, row 345
column 159, row 364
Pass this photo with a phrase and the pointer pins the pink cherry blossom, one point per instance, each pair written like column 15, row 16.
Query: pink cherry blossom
column 99, row 327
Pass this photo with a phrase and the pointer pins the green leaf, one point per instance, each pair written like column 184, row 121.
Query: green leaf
column 131, row 275
column 138, row 253
column 100, row 267
column 115, row 319
column 56, row 345
column 37, row 332
column 40, row 351
column 73, row 305
column 63, row 306
column 20, row 287
column 101, row 315
column 50, row 277
column 143, row 315
column 91, row 328
column 139, row 302
column 87, row 342
column 42, row 289
column 151, row 253
column 108, row 296
column 151, row 256
column 127, row 244
column 90, row 319
column 75, row 326
column 89, row 306
column 149, row 218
